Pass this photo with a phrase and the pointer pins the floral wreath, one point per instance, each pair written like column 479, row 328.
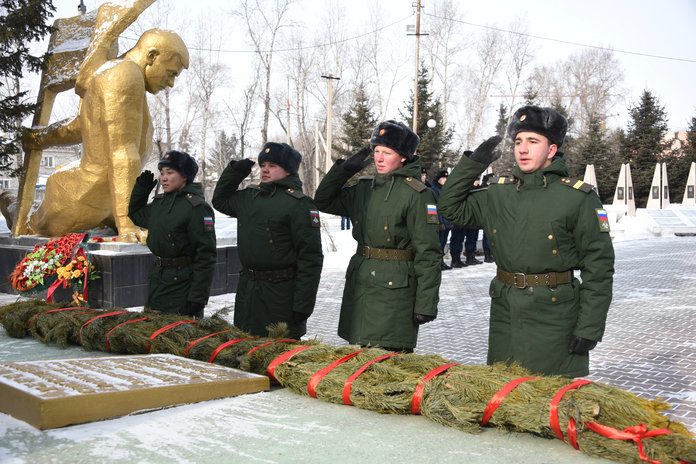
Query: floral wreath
column 60, row 261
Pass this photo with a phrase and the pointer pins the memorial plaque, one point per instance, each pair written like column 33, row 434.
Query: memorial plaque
column 656, row 192
column 56, row 393
column 620, row 193
column 690, row 191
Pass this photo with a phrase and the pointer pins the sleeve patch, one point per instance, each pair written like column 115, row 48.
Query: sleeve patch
column 431, row 214
column 602, row 219
column 208, row 223
column 314, row 218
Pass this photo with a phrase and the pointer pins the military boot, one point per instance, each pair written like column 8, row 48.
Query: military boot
column 457, row 262
column 487, row 256
column 444, row 266
column 471, row 259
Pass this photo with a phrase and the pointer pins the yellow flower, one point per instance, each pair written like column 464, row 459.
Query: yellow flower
column 76, row 273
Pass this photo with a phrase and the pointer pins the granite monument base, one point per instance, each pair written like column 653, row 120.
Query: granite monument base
column 122, row 267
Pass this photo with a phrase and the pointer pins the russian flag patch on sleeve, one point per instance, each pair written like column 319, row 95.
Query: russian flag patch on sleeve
column 431, row 215
column 208, row 223
column 602, row 219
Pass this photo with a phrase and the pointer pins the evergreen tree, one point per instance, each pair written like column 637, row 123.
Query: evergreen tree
column 679, row 163
column 224, row 151
column 576, row 167
column 358, row 123
column 503, row 165
column 594, row 148
column 643, row 145
column 20, row 23
column 434, row 145
column 531, row 95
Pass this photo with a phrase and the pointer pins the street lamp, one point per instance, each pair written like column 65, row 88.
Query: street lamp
column 431, row 123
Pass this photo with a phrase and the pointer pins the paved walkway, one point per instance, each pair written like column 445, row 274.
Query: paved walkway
column 649, row 346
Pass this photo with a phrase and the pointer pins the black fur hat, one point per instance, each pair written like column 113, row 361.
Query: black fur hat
column 545, row 121
column 396, row 136
column 181, row 162
column 441, row 174
column 281, row 154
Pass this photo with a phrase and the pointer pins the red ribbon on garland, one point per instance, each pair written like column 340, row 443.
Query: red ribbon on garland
column 349, row 381
column 553, row 413
column 636, row 433
column 224, row 345
column 270, row 370
column 319, row 375
column 31, row 321
column 167, row 327
column 282, row 340
column 198, row 340
column 420, row 388
column 130, row 321
column 500, row 395
column 100, row 316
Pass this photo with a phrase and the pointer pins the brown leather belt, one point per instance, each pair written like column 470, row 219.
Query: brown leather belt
column 390, row 254
column 278, row 275
column 179, row 261
column 520, row 280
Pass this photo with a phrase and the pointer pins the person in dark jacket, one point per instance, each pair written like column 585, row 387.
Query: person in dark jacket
column 181, row 235
column 542, row 227
column 278, row 238
column 392, row 281
column 445, row 226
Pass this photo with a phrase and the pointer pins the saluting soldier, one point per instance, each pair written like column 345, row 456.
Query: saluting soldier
column 181, row 235
column 392, row 281
column 278, row 239
column 542, row 226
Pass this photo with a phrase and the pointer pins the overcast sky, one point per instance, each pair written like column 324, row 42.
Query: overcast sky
column 633, row 28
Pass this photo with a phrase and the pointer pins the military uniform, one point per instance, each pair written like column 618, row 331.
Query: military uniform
column 541, row 226
column 279, row 244
column 181, row 235
column 395, row 272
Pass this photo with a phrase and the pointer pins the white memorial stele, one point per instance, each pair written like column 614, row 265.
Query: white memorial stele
column 623, row 195
column 690, row 189
column 590, row 177
column 658, row 197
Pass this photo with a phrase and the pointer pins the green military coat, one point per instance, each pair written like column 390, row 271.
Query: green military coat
column 277, row 228
column 536, row 223
column 179, row 224
column 380, row 297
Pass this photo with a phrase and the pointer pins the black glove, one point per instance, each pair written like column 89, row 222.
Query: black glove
column 423, row 318
column 358, row 161
column 194, row 309
column 579, row 345
column 486, row 152
column 242, row 167
column 146, row 180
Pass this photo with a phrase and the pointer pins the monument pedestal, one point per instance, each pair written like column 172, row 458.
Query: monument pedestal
column 122, row 267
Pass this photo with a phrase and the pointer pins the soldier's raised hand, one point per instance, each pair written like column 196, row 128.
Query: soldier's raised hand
column 486, row 153
column 146, row 180
column 242, row 167
column 358, row 161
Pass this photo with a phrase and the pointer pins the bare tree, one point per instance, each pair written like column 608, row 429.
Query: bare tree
column 242, row 113
column 518, row 56
column 489, row 56
column 264, row 20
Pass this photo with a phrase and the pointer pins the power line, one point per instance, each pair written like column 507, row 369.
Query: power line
column 567, row 42
column 308, row 47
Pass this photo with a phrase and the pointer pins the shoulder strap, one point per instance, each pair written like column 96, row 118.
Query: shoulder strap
column 294, row 193
column 415, row 184
column 577, row 184
column 502, row 180
column 195, row 200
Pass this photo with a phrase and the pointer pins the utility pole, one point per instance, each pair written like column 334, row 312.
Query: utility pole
column 329, row 117
column 287, row 107
column 418, row 7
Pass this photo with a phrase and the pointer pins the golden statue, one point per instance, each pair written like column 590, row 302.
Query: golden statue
column 114, row 126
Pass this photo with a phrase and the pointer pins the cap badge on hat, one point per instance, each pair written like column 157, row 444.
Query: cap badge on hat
column 523, row 117
column 267, row 150
column 382, row 131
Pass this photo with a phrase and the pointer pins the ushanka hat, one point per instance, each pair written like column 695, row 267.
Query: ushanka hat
column 441, row 174
column 545, row 121
column 281, row 154
column 181, row 162
column 396, row 136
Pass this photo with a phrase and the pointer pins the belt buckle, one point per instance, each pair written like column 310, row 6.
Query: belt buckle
column 367, row 251
column 524, row 280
